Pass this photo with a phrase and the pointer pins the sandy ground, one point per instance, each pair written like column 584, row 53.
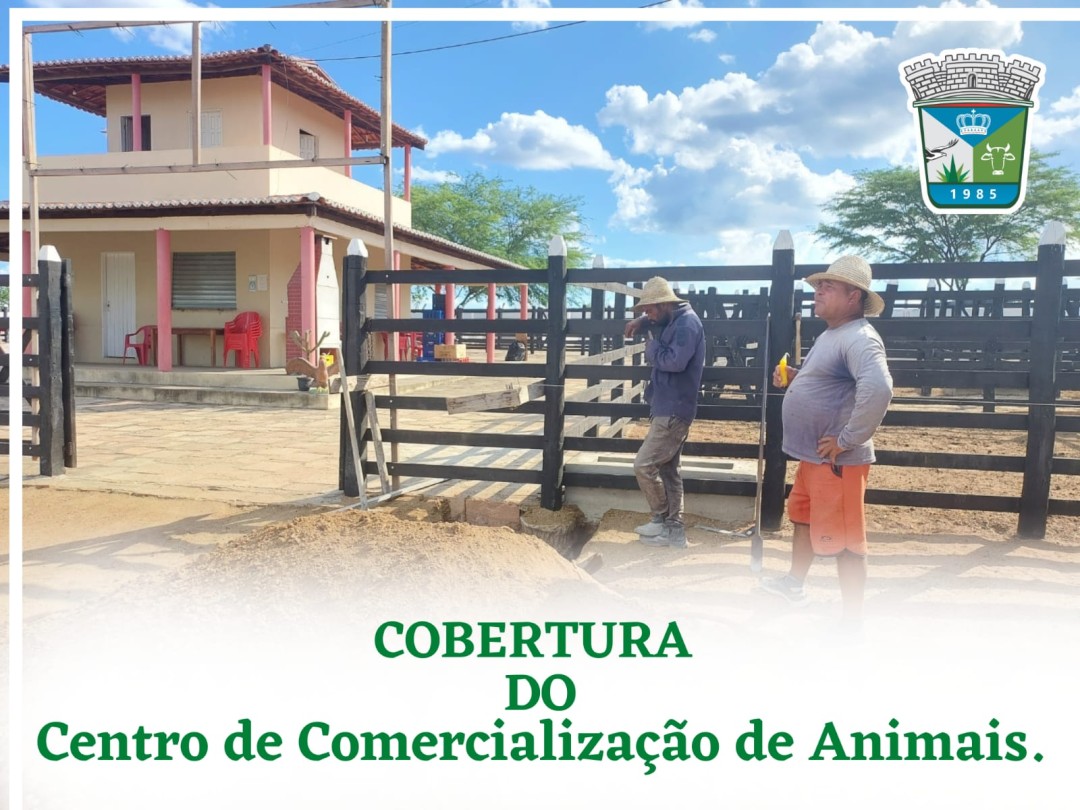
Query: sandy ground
column 193, row 602
column 81, row 545
column 936, row 440
column 174, row 607
column 106, row 546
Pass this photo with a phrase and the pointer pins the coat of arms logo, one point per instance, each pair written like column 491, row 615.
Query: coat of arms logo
column 971, row 109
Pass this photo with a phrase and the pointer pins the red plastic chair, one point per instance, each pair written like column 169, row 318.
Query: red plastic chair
column 410, row 345
column 142, row 341
column 242, row 336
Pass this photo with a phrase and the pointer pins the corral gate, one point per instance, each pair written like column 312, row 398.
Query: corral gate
column 1038, row 345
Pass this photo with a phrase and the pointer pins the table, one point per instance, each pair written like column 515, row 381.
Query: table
column 180, row 332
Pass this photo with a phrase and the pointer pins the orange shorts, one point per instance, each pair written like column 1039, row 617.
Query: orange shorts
column 832, row 506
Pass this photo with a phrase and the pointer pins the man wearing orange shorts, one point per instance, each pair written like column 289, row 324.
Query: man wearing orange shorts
column 832, row 407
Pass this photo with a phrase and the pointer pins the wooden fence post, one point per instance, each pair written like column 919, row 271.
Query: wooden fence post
column 596, row 340
column 551, row 486
column 354, row 356
column 781, row 337
column 995, row 310
column 929, row 311
column 618, row 312
column 596, row 313
column 639, row 358
column 891, row 291
column 49, row 354
column 1042, row 415
column 67, row 363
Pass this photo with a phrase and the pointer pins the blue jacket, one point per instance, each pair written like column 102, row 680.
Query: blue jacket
column 676, row 353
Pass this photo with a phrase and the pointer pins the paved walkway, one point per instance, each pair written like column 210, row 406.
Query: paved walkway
column 257, row 455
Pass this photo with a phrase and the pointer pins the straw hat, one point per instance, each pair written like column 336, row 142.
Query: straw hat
column 657, row 291
column 856, row 272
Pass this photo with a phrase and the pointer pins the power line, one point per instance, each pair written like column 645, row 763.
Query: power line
column 472, row 42
column 456, row 45
column 398, row 26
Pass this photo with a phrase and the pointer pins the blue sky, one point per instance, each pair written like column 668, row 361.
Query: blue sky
column 690, row 142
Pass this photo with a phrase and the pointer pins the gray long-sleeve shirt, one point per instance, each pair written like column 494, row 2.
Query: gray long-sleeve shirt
column 843, row 389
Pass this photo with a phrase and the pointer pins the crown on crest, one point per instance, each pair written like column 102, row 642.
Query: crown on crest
column 973, row 123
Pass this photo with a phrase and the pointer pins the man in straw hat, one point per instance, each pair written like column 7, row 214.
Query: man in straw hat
column 832, row 406
column 675, row 348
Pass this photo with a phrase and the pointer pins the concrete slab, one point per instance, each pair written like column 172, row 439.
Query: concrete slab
column 262, row 387
column 595, row 502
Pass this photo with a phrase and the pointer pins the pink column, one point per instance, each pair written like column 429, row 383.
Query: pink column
column 348, row 141
column 307, row 285
column 449, row 313
column 266, row 118
column 408, row 172
column 136, row 112
column 29, row 266
column 395, row 308
column 524, row 298
column 163, row 253
column 491, row 317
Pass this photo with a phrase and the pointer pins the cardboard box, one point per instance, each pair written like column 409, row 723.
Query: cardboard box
column 455, row 352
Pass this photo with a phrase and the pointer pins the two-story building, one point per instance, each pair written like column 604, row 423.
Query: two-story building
column 180, row 247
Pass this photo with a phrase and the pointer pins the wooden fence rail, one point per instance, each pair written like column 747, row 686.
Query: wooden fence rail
column 1021, row 342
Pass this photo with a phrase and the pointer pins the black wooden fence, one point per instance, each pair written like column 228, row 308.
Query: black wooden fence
column 49, row 414
column 1023, row 350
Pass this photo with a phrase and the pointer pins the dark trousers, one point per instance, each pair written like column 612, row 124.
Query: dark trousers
column 657, row 467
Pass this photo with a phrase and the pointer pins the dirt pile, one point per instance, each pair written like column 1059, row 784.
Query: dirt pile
column 354, row 561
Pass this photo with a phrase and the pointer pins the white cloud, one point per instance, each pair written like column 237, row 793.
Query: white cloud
column 689, row 22
column 837, row 94
column 727, row 58
column 736, row 157
column 422, row 175
column 704, row 35
column 735, row 152
column 933, row 36
column 1048, row 133
column 1057, row 122
column 522, row 25
column 175, row 37
column 749, row 246
column 536, row 141
column 753, row 185
column 641, row 262
column 1068, row 104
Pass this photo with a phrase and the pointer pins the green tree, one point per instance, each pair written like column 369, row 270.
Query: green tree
column 884, row 218
column 511, row 222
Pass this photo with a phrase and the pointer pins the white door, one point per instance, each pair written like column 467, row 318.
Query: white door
column 118, row 300
column 328, row 298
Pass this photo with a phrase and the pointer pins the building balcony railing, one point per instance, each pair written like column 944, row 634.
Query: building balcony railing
column 255, row 183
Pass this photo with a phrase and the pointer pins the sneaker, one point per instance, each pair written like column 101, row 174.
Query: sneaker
column 653, row 528
column 787, row 587
column 672, row 535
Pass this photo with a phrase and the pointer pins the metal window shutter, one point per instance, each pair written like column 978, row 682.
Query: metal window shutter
column 382, row 301
column 204, row 280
